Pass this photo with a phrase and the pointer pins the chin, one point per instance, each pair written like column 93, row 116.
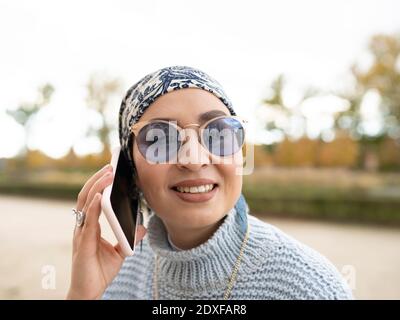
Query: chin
column 185, row 217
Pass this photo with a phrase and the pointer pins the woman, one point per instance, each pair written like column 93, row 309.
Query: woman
column 201, row 241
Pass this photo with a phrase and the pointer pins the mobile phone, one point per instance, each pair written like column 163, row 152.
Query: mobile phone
column 120, row 209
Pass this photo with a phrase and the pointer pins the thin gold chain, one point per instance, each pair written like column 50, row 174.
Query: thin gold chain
column 232, row 278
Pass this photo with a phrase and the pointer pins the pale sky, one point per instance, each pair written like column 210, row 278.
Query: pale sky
column 243, row 44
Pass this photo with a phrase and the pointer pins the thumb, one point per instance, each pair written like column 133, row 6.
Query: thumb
column 117, row 248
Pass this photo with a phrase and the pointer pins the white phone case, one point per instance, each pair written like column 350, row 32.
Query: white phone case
column 110, row 215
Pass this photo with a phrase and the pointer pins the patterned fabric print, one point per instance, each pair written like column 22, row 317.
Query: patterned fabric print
column 142, row 94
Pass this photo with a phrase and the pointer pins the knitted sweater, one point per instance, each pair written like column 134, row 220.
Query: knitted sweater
column 273, row 266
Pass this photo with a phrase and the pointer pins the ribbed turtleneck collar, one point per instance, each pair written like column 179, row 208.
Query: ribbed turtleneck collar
column 173, row 246
column 209, row 265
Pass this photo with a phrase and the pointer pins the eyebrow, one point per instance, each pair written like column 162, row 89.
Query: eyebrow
column 202, row 117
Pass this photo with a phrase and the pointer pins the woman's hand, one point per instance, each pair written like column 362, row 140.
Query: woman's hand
column 95, row 262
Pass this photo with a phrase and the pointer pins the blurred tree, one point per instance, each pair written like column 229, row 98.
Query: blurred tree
column 69, row 161
column 341, row 152
column 262, row 156
column 389, row 154
column 286, row 115
column 100, row 91
column 382, row 76
column 36, row 159
column 300, row 153
column 27, row 111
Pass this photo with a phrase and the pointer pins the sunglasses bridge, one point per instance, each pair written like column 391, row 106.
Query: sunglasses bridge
column 187, row 137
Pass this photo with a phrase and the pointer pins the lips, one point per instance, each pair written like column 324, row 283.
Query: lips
column 193, row 183
column 195, row 190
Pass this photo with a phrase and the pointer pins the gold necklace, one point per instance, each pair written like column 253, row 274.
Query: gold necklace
column 232, row 278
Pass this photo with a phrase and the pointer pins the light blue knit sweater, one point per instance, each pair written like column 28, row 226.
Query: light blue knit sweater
column 274, row 266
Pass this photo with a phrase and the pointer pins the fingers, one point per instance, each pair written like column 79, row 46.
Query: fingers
column 98, row 187
column 90, row 231
column 88, row 185
column 90, row 227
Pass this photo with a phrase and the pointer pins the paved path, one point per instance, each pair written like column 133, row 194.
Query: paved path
column 35, row 250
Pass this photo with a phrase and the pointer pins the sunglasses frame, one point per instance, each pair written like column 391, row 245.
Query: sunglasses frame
column 135, row 130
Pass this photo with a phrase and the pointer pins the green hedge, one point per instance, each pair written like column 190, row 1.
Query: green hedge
column 322, row 203
column 57, row 191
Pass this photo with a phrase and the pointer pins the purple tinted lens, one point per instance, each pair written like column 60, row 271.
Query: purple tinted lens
column 159, row 142
column 224, row 136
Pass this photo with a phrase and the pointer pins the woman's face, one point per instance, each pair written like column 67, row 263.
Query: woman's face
column 158, row 181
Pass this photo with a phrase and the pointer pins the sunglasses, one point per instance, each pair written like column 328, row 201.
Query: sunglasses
column 159, row 141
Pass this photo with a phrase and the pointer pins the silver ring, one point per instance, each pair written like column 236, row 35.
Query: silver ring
column 80, row 217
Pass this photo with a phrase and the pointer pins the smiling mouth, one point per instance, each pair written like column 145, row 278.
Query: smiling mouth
column 196, row 194
column 196, row 189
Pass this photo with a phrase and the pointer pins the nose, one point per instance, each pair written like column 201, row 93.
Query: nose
column 192, row 155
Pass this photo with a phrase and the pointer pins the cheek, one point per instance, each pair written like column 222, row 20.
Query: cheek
column 232, row 182
column 153, row 182
column 151, row 177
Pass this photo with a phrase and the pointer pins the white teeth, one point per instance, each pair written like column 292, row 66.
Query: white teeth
column 198, row 189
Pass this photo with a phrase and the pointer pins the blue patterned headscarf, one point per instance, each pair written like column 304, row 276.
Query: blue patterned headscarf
column 143, row 93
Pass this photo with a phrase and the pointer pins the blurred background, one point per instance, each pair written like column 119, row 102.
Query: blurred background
column 318, row 80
